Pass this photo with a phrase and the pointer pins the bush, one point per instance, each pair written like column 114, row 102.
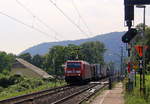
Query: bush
column 5, row 72
column 1, row 89
column 48, row 79
column 16, row 79
column 4, row 81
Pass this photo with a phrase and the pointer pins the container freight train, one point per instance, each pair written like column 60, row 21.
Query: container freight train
column 82, row 71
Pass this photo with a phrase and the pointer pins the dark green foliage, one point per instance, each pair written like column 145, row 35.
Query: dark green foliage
column 15, row 79
column 37, row 60
column 73, row 52
column 30, row 83
column 20, row 83
column 6, row 61
column 6, row 81
column 93, row 52
column 54, row 59
column 26, row 57
column 1, row 89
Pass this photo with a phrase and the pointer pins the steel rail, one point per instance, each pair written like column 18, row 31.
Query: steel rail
column 30, row 96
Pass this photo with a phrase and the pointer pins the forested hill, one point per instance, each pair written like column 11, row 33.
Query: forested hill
column 112, row 42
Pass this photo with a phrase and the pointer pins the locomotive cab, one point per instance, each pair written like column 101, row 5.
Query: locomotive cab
column 77, row 71
column 73, row 72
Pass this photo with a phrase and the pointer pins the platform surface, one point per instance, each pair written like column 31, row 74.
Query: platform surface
column 114, row 96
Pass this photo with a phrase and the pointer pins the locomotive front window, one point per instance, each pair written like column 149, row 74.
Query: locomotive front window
column 73, row 65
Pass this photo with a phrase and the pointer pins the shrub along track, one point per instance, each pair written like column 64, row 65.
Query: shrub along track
column 59, row 95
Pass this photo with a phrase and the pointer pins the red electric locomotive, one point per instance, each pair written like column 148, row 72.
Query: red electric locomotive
column 77, row 71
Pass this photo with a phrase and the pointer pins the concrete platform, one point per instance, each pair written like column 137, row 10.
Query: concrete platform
column 114, row 96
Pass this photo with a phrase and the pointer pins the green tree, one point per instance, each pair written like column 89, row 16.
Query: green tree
column 37, row 60
column 54, row 59
column 26, row 56
column 73, row 52
column 139, row 37
column 6, row 61
column 93, row 52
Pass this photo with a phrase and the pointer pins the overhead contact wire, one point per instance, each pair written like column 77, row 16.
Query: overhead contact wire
column 82, row 19
column 34, row 16
column 29, row 26
column 69, row 19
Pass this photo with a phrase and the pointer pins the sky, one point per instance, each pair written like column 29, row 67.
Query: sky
column 45, row 23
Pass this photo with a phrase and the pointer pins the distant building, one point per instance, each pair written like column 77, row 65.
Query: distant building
column 24, row 68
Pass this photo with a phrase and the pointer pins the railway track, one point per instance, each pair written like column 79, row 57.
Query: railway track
column 16, row 100
column 81, row 95
column 59, row 95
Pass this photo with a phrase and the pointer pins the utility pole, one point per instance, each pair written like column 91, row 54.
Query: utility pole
column 143, row 49
column 144, row 68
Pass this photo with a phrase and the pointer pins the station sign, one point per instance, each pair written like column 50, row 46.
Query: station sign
column 139, row 50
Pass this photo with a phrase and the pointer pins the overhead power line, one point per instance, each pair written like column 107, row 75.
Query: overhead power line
column 81, row 18
column 68, row 18
column 34, row 16
column 27, row 25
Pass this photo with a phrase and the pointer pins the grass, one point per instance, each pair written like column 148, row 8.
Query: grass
column 135, row 97
column 11, row 92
